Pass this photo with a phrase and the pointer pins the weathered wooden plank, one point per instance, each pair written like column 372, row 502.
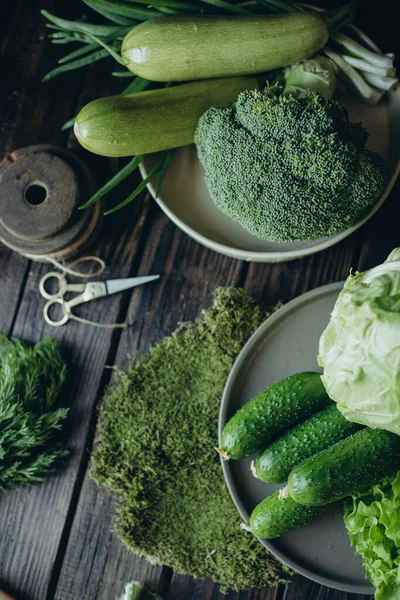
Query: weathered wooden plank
column 382, row 233
column 29, row 563
column 187, row 588
column 304, row 589
column 24, row 118
column 283, row 282
column 29, row 110
column 190, row 276
column 100, row 566
column 88, row 349
column 13, row 272
column 380, row 23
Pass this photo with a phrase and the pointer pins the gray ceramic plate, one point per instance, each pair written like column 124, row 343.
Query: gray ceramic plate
column 185, row 199
column 285, row 344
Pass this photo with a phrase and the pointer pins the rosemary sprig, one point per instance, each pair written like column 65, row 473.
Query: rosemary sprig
column 123, row 74
column 227, row 7
column 139, row 84
column 118, row 178
column 68, row 124
column 76, row 64
column 124, row 9
column 112, row 18
column 157, row 170
column 78, row 26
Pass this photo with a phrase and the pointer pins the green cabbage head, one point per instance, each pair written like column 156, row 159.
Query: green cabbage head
column 360, row 348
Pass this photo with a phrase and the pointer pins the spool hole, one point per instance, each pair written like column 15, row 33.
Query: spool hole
column 36, row 194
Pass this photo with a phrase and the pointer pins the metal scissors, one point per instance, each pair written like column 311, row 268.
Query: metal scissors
column 90, row 291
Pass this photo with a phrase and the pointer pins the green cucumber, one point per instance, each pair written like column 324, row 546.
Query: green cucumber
column 317, row 433
column 276, row 516
column 277, row 408
column 190, row 47
column 154, row 120
column 349, row 466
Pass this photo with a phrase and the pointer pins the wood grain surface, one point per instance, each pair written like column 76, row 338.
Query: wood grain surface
column 56, row 539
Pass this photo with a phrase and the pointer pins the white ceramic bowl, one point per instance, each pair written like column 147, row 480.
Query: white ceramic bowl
column 185, row 199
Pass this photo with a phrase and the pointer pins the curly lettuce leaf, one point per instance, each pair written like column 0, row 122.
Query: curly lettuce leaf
column 360, row 348
column 372, row 519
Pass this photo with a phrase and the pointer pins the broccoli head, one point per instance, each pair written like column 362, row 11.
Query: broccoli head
column 288, row 168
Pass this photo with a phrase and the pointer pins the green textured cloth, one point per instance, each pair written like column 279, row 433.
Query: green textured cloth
column 155, row 451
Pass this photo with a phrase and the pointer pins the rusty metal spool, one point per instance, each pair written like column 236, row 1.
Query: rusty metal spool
column 41, row 188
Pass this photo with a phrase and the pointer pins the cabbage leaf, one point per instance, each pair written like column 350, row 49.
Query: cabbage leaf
column 360, row 348
column 372, row 519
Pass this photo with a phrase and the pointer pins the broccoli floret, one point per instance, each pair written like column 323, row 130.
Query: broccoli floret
column 288, row 168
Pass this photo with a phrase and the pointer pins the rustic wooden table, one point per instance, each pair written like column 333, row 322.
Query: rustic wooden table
column 56, row 539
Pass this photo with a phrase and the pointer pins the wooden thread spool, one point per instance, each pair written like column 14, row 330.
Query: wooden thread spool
column 41, row 188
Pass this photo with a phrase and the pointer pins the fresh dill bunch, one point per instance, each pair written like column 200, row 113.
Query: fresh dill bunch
column 31, row 415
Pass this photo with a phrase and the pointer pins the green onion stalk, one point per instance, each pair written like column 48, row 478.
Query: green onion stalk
column 368, row 73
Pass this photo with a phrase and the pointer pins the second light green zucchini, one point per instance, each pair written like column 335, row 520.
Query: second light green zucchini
column 317, row 433
column 189, row 47
column 155, row 120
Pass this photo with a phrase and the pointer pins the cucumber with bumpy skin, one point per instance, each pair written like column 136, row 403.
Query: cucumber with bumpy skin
column 276, row 516
column 277, row 408
column 317, row 433
column 349, row 466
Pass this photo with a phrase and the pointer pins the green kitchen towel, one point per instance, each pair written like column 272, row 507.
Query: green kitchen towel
column 155, row 451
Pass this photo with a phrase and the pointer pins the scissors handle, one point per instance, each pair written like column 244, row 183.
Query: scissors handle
column 63, row 286
column 46, row 313
column 92, row 291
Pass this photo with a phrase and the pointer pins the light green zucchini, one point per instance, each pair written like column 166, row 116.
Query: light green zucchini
column 155, row 120
column 190, row 47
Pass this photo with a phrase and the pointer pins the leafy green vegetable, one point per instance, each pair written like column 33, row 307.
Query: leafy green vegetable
column 155, row 452
column 136, row 591
column 30, row 413
column 288, row 168
column 372, row 519
column 317, row 74
column 360, row 348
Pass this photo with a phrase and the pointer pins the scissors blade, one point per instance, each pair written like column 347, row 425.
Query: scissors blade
column 119, row 285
